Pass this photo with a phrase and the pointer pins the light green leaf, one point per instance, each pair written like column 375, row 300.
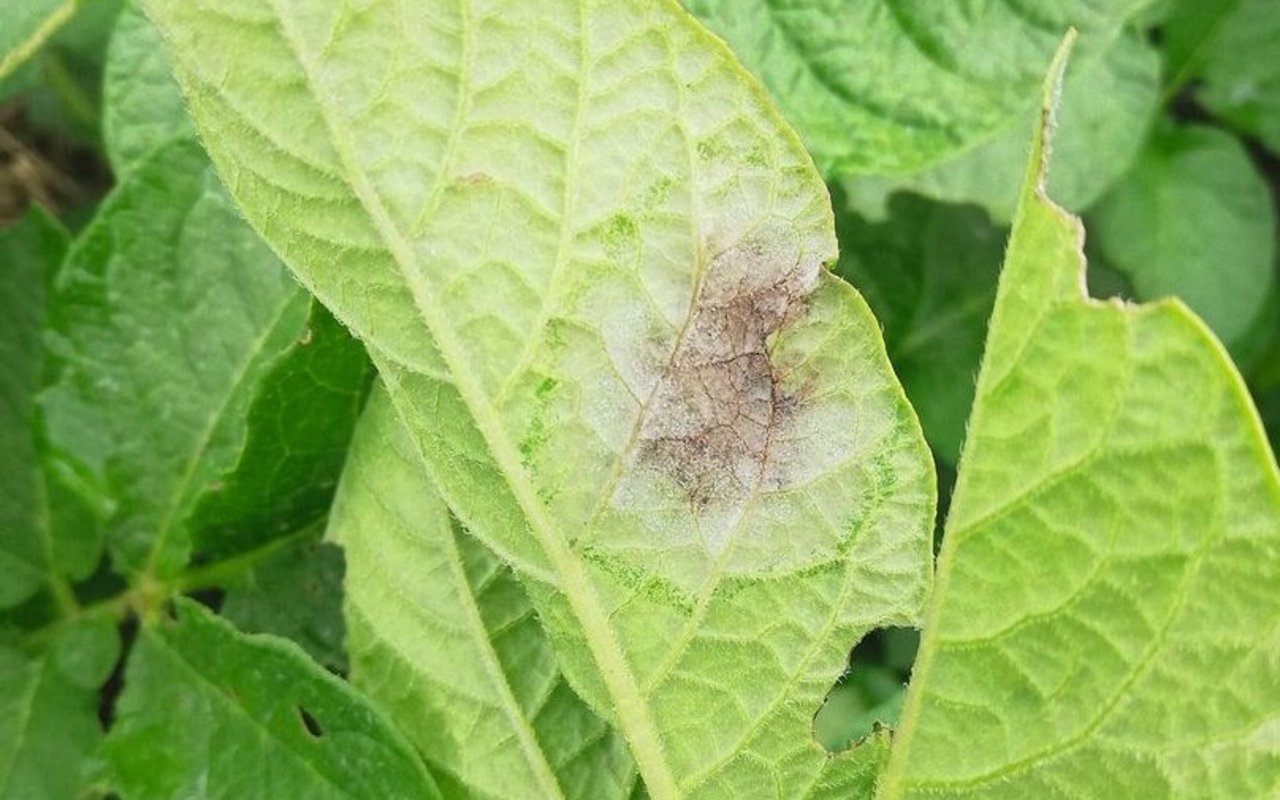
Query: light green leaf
column 210, row 712
column 142, row 107
column 247, row 395
column 1194, row 219
column 49, row 711
column 1105, row 618
column 1233, row 47
column 588, row 258
column 891, row 86
column 296, row 594
column 30, row 252
column 1107, row 108
column 28, row 24
column 929, row 273
column 443, row 637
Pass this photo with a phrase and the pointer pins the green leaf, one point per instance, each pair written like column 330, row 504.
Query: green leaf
column 49, row 711
column 444, row 638
column 297, row 430
column 247, row 395
column 1233, row 47
column 1104, row 622
column 1107, row 108
column 30, row 252
column 1194, row 219
column 587, row 258
column 929, row 272
column 295, row 594
column 142, row 107
column 892, row 87
column 210, row 712
column 27, row 26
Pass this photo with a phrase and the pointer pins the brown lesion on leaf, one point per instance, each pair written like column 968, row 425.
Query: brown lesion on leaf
column 712, row 421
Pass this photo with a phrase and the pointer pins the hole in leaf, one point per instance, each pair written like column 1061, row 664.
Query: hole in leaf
column 309, row 722
column 869, row 695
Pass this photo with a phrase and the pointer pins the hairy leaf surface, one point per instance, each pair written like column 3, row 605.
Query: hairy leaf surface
column 1105, row 618
column 893, row 86
column 210, row 712
column 587, row 256
column 444, row 638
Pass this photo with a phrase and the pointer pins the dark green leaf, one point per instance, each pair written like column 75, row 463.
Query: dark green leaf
column 166, row 315
column 296, row 594
column 929, row 273
column 1233, row 47
column 1194, row 219
column 194, row 379
column 892, row 87
column 29, row 253
column 210, row 712
column 48, row 712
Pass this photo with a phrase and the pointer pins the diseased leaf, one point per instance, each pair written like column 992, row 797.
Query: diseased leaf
column 142, row 107
column 210, row 712
column 49, row 711
column 1194, row 219
column 1233, row 47
column 246, row 371
column 27, row 26
column 1104, row 624
column 1107, row 108
column 929, row 273
column 588, row 260
column 295, row 594
column 444, row 638
column 891, row 87
column 30, row 252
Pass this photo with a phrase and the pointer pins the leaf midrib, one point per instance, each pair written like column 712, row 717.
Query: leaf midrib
column 632, row 712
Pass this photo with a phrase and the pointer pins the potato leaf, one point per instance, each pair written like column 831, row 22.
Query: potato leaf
column 1107, row 108
column 1194, row 218
column 587, row 256
column 929, row 272
column 142, row 107
column 30, row 252
column 1233, row 48
column 49, row 711
column 444, row 638
column 246, row 350
column 894, row 86
column 1104, row 622
column 210, row 712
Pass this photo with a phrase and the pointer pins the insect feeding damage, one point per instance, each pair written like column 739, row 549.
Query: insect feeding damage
column 713, row 421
